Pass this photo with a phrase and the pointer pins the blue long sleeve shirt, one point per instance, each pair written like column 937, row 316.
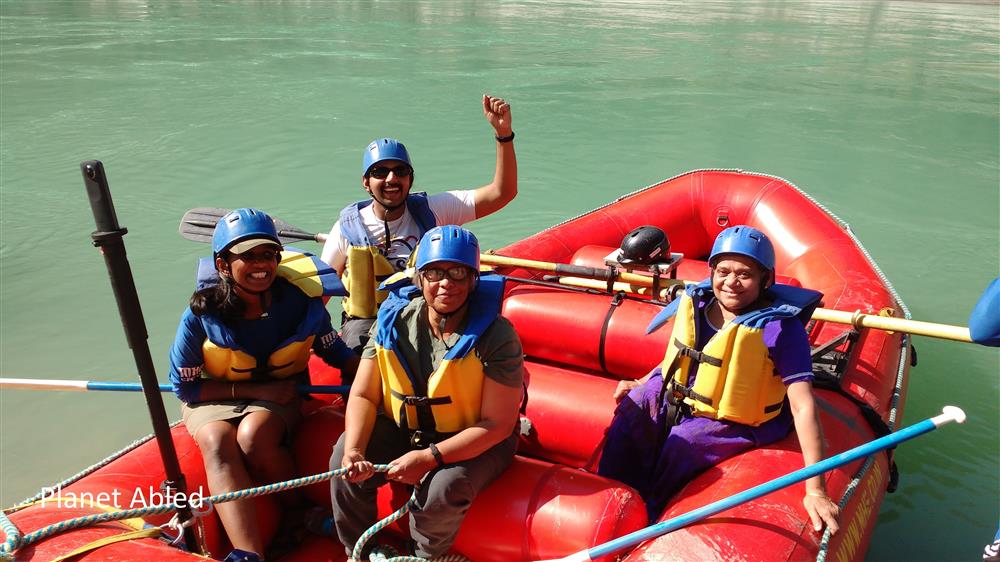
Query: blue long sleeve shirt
column 258, row 337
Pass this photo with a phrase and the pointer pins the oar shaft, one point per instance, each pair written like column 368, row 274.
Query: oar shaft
column 892, row 324
column 856, row 319
column 570, row 269
column 949, row 414
column 112, row 386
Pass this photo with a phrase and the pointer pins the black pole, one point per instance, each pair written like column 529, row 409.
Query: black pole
column 108, row 237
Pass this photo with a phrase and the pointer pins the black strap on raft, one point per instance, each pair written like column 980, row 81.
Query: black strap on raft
column 616, row 300
column 612, row 277
column 829, row 365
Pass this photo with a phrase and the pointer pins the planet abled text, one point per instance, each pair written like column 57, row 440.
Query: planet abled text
column 137, row 499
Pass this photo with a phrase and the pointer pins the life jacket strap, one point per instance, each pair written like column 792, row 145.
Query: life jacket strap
column 425, row 417
column 418, row 401
column 696, row 355
column 773, row 407
column 687, row 392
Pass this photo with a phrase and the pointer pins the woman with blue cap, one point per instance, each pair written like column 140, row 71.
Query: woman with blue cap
column 241, row 347
column 737, row 374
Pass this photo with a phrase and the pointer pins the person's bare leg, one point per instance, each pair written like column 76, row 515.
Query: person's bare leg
column 226, row 472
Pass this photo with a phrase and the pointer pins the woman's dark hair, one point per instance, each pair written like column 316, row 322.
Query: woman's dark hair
column 220, row 299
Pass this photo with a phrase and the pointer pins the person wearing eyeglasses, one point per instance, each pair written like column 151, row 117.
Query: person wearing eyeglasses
column 437, row 396
column 372, row 239
column 241, row 347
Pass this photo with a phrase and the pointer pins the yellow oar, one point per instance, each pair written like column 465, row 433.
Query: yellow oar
column 856, row 319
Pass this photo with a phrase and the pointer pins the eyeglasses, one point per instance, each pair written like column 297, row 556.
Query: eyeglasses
column 457, row 273
column 251, row 256
column 382, row 172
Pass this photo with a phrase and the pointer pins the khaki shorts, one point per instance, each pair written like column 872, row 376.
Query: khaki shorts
column 196, row 415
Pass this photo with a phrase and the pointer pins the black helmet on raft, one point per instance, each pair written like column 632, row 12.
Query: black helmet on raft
column 645, row 245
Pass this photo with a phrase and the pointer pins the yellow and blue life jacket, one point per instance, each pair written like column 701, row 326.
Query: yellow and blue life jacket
column 226, row 359
column 736, row 380
column 367, row 265
column 450, row 399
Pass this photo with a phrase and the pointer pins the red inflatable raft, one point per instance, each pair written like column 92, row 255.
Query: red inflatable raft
column 578, row 344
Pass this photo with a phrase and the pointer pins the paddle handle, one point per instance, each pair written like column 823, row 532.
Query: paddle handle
column 949, row 414
column 112, row 386
column 892, row 324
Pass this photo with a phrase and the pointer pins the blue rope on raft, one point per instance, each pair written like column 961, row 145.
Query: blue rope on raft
column 389, row 520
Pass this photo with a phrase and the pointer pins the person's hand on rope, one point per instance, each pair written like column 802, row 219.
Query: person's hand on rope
column 411, row 467
column 358, row 468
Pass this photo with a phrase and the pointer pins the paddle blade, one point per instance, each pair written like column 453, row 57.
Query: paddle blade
column 199, row 225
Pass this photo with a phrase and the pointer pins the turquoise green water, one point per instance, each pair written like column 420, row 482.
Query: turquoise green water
column 887, row 112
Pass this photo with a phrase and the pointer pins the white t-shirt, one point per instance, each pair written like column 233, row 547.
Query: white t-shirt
column 450, row 207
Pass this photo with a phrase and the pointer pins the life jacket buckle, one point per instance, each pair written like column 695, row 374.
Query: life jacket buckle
column 421, row 439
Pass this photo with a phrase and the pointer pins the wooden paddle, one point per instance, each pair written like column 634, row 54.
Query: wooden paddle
column 199, row 225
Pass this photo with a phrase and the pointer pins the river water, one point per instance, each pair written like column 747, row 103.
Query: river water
column 886, row 112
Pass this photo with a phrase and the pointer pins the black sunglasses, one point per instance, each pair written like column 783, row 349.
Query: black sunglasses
column 382, row 172
column 457, row 273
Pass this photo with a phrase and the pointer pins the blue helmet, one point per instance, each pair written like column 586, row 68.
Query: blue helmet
column 448, row 243
column 745, row 241
column 384, row 149
column 243, row 229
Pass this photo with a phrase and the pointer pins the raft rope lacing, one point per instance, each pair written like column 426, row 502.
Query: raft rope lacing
column 904, row 348
column 15, row 540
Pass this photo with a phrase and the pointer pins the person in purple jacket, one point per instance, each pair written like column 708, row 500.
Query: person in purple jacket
column 737, row 374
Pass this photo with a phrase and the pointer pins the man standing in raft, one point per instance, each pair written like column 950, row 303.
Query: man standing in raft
column 437, row 396
column 240, row 349
column 705, row 404
column 373, row 239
